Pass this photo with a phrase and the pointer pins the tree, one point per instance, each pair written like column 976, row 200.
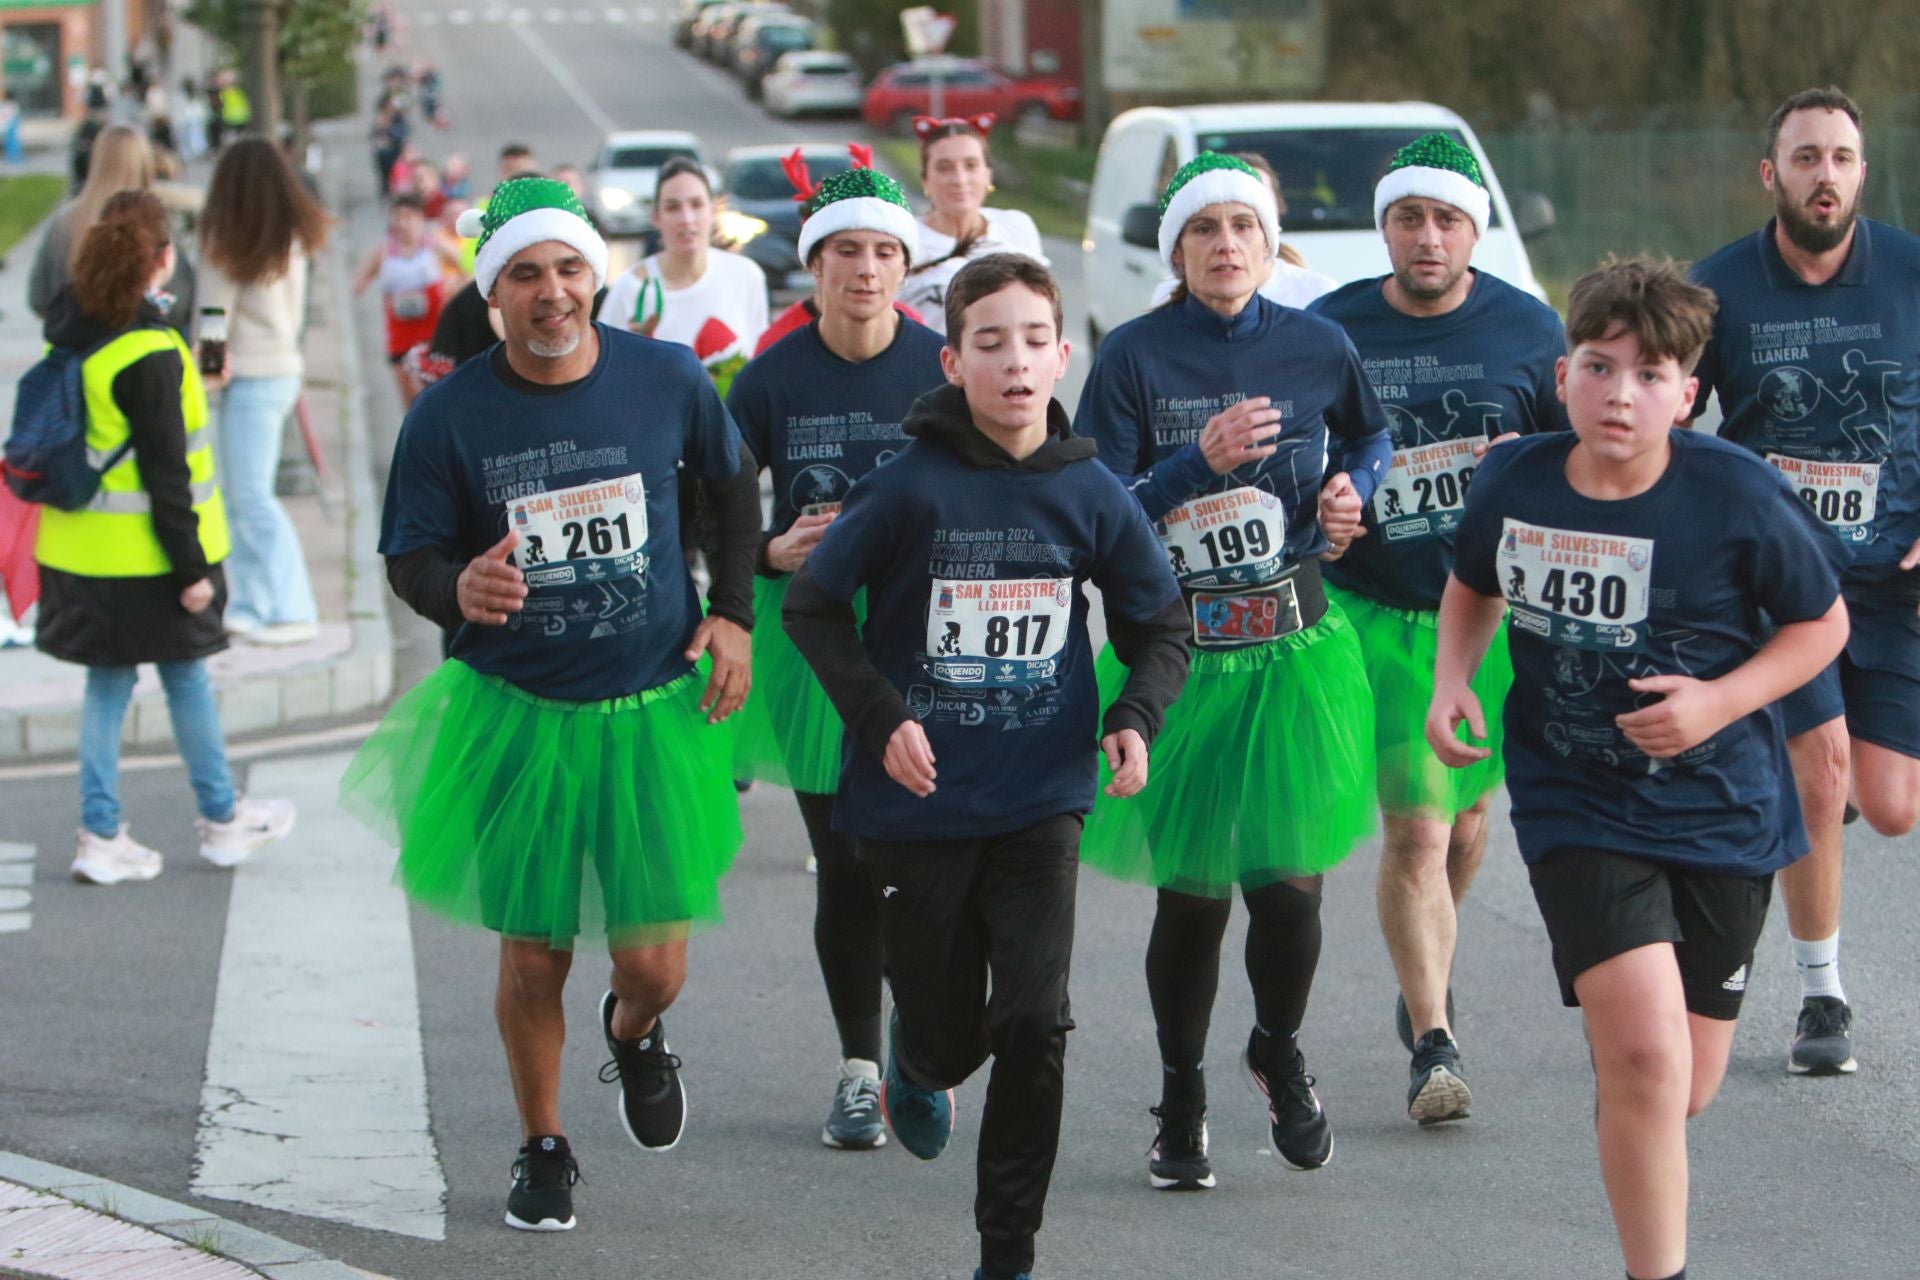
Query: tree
column 316, row 46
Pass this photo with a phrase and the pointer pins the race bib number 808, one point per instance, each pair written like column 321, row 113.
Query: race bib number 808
column 1586, row 590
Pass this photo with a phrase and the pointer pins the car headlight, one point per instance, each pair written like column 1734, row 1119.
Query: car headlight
column 735, row 229
column 614, row 199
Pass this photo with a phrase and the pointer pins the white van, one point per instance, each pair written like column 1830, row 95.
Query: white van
column 1329, row 156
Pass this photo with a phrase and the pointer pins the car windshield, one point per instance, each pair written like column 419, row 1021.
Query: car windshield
column 786, row 37
column 764, row 179
column 1326, row 175
column 645, row 157
column 827, row 68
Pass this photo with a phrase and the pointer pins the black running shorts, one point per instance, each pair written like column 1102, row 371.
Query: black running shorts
column 1598, row 905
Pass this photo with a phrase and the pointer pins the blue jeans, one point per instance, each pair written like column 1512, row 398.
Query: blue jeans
column 196, row 730
column 266, row 572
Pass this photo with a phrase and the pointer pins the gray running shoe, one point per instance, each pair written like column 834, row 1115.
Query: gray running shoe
column 1437, row 1086
column 853, row 1123
column 1822, row 1039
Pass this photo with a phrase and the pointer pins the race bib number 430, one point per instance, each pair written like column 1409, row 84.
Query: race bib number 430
column 590, row 533
column 998, row 634
column 1587, row 590
column 1842, row 494
column 1232, row 539
column 1423, row 491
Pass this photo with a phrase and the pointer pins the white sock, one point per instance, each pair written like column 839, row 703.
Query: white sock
column 1819, row 966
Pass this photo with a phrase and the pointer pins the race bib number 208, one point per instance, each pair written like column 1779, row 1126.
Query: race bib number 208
column 1000, row 633
column 1586, row 590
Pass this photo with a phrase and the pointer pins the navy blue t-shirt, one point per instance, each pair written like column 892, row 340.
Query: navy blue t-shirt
column 976, row 614
column 1481, row 370
column 587, row 476
column 820, row 422
column 1824, row 380
column 1673, row 581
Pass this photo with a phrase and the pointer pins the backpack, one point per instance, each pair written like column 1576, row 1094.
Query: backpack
column 46, row 456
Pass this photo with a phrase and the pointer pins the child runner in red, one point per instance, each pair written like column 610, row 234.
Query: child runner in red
column 1644, row 754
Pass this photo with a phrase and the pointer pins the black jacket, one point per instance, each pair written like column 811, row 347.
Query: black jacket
column 117, row 622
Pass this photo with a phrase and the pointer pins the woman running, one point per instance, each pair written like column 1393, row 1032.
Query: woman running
column 956, row 175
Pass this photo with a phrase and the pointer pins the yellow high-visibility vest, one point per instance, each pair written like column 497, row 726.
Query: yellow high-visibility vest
column 112, row 536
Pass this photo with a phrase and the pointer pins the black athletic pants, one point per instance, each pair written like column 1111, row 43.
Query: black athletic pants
column 846, row 930
column 954, row 913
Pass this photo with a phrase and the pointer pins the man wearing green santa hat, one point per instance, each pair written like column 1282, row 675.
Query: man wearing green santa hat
column 563, row 774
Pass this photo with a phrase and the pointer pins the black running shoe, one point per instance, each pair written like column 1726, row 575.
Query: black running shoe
column 543, row 1178
column 1302, row 1138
column 1437, row 1086
column 1823, row 1039
column 653, row 1106
column 1177, row 1161
column 1403, row 1021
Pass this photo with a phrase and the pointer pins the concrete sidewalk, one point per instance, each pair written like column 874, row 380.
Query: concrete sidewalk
column 349, row 667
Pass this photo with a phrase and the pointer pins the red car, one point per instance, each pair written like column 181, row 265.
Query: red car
column 967, row 88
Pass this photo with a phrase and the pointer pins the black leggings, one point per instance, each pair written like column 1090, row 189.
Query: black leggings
column 846, row 931
column 1183, row 964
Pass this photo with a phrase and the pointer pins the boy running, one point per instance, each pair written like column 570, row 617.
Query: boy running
column 1645, row 759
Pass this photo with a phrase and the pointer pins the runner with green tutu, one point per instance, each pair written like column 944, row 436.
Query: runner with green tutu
column 565, row 776
column 1225, row 412
column 1458, row 358
column 821, row 409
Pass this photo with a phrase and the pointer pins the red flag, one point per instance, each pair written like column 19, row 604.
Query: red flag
column 19, row 523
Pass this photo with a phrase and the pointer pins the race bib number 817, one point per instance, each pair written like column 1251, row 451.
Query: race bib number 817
column 1587, row 590
column 998, row 633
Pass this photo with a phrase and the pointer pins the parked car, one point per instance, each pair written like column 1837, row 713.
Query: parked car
column 717, row 47
column 627, row 169
column 701, row 28
column 967, row 88
column 813, row 82
column 1329, row 155
column 684, row 18
column 761, row 42
column 762, row 220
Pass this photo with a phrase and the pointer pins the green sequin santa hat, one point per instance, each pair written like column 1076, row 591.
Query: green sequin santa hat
column 1211, row 178
column 1438, row 168
column 856, row 199
column 527, row 211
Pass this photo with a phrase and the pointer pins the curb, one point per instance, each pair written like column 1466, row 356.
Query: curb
column 208, row 1233
column 354, row 680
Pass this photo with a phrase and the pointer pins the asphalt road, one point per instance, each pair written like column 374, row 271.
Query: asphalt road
column 116, row 1005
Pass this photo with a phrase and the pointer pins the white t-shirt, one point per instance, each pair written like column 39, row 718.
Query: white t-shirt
column 733, row 291
column 1008, row 231
column 1288, row 285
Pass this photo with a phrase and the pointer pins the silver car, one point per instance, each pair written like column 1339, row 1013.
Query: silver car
column 813, row 81
column 627, row 170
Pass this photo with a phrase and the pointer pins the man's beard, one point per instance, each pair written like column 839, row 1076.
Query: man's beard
column 554, row 350
column 1425, row 292
column 1806, row 234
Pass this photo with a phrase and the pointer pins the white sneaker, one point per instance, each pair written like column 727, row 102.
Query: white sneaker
column 100, row 860
column 239, row 628
column 281, row 635
column 255, row 825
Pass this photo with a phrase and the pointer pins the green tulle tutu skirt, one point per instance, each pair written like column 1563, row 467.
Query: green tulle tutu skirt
column 787, row 733
column 548, row 821
column 1399, row 647
column 1263, row 772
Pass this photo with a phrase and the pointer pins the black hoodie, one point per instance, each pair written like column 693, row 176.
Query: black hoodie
column 955, row 517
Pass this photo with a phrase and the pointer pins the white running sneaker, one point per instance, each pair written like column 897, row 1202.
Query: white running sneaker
column 282, row 635
column 255, row 825
column 103, row 861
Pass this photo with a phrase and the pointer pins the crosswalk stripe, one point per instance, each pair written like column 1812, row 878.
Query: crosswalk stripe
column 15, row 921
column 519, row 17
column 459, row 17
column 16, row 874
column 616, row 15
column 315, row 1099
column 16, row 899
column 14, row 851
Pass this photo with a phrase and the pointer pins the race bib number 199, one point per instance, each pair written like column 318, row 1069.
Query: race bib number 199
column 1587, row 590
column 590, row 533
column 998, row 634
column 1232, row 539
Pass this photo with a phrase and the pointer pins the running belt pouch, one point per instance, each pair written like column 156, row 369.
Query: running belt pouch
column 46, row 453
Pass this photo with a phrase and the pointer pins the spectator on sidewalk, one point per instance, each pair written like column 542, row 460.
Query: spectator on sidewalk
column 409, row 264
column 137, row 578
column 259, row 229
column 193, row 114
column 122, row 161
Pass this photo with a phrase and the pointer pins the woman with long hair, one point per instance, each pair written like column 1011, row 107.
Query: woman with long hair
column 135, row 575
column 258, row 229
column 957, row 176
column 121, row 160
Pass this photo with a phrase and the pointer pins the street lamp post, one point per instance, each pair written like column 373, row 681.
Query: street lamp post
column 261, row 75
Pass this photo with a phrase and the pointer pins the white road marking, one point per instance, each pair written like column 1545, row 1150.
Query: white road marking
column 459, row 17
column 519, row 17
column 16, row 898
column 348, row 733
column 616, row 15
column 647, row 15
column 16, row 921
column 558, row 69
column 13, row 851
column 315, row 1099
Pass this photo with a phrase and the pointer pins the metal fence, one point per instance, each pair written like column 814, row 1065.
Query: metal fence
column 1683, row 192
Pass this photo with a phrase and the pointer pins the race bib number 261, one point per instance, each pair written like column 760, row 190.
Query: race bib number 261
column 1586, row 590
column 999, row 633
column 590, row 533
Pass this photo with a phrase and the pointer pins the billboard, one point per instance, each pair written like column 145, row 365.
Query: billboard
column 1242, row 47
